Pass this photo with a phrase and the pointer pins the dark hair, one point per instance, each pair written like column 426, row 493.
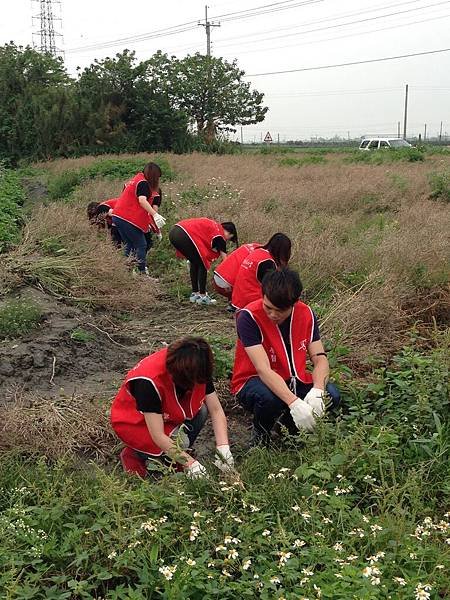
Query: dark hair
column 231, row 228
column 152, row 173
column 189, row 361
column 92, row 210
column 282, row 287
column 279, row 247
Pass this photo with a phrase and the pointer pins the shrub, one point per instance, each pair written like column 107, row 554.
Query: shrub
column 62, row 185
column 440, row 186
column 378, row 157
column 12, row 197
column 17, row 317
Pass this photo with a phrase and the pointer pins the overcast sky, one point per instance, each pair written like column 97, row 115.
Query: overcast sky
column 351, row 100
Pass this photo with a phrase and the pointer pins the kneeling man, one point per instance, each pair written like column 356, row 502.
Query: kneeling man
column 275, row 335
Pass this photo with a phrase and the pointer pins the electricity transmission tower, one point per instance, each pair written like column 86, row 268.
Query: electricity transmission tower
column 46, row 33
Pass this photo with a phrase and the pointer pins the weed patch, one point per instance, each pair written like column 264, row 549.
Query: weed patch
column 307, row 159
column 18, row 317
column 440, row 186
column 12, row 197
column 82, row 336
column 61, row 185
column 379, row 157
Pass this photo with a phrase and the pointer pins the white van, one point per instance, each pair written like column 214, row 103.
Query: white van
column 376, row 143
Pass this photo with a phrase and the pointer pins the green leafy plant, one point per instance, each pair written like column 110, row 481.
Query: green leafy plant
column 12, row 197
column 440, row 186
column 18, row 317
column 82, row 335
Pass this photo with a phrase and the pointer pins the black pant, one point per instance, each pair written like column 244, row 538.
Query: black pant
column 183, row 243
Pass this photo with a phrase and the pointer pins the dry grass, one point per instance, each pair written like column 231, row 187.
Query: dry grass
column 56, row 427
column 63, row 254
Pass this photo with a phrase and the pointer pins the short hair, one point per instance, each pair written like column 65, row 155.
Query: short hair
column 190, row 361
column 282, row 287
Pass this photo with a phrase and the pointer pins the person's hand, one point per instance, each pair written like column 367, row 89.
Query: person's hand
column 302, row 414
column 159, row 236
column 159, row 220
column 195, row 470
column 224, row 460
column 315, row 400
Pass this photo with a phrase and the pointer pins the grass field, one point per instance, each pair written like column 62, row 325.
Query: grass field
column 357, row 510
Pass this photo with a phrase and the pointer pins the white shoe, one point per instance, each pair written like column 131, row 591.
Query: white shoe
column 206, row 300
column 194, row 297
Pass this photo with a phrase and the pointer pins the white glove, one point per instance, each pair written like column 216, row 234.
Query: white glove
column 224, row 460
column 315, row 400
column 195, row 470
column 159, row 236
column 302, row 414
column 159, row 220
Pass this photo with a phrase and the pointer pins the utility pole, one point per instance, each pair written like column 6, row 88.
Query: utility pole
column 46, row 33
column 406, row 113
column 424, row 133
column 242, row 135
column 207, row 25
column 398, row 129
column 440, row 133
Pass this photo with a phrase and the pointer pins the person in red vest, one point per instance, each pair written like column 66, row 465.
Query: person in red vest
column 273, row 255
column 276, row 333
column 225, row 273
column 201, row 241
column 100, row 214
column 136, row 212
column 163, row 404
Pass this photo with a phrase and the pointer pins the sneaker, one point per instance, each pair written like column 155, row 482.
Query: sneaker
column 194, row 297
column 230, row 308
column 131, row 462
column 206, row 300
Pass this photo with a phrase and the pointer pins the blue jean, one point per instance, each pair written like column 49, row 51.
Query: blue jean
column 135, row 241
column 191, row 427
column 267, row 408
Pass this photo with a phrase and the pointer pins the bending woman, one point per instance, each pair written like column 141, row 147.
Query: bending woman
column 136, row 212
column 273, row 255
column 201, row 241
column 164, row 403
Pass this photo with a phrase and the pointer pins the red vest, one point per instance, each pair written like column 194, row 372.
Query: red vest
column 129, row 424
column 229, row 267
column 129, row 209
column 111, row 202
column 202, row 232
column 301, row 333
column 247, row 288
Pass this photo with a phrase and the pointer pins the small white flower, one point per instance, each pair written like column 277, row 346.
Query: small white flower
column 112, row 555
column 254, row 508
column 399, row 580
column 412, row 555
column 168, row 571
column 266, row 533
column 196, row 515
column 298, row 543
column 233, row 554
column 308, row 572
column 338, row 547
column 190, row 562
column 284, row 557
column 246, row 564
column 275, row 580
column 306, row 516
column 220, row 548
column 422, row 591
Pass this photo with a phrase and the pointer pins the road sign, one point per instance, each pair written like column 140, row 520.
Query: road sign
column 268, row 139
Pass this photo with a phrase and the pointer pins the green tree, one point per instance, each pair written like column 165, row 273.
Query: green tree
column 213, row 93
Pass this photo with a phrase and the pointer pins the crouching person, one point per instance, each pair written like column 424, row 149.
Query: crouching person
column 162, row 406
column 270, row 377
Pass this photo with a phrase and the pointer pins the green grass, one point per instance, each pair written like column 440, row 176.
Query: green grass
column 18, row 317
column 12, row 197
column 62, row 185
column 379, row 157
column 355, row 509
column 440, row 186
column 82, row 336
column 307, row 159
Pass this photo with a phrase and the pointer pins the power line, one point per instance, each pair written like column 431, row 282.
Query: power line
column 338, row 25
column 325, row 20
column 341, row 37
column 190, row 25
column 357, row 62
